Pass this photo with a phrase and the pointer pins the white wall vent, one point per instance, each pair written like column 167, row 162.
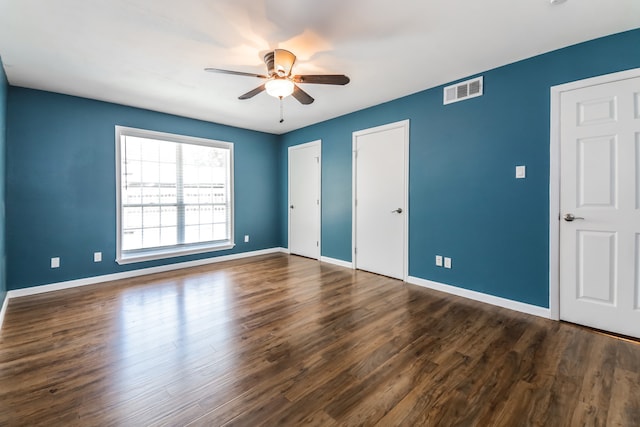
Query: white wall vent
column 463, row 90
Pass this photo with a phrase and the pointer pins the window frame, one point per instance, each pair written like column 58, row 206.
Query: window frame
column 181, row 249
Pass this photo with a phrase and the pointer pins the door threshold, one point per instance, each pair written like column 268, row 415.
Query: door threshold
column 615, row 335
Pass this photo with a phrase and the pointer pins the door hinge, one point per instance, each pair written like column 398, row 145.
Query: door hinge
column 318, row 202
column 355, row 250
column 317, row 243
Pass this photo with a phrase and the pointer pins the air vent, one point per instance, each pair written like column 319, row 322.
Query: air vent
column 464, row 90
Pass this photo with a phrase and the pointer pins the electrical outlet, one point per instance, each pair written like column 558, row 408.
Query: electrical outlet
column 246, row 238
column 55, row 262
column 447, row 262
column 521, row 172
column 439, row 260
column 97, row 257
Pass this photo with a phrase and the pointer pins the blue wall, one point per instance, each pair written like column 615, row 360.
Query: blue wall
column 61, row 184
column 3, row 120
column 464, row 200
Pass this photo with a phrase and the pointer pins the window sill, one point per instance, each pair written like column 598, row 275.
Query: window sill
column 172, row 252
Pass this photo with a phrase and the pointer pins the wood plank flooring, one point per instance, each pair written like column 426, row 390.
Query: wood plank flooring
column 283, row 340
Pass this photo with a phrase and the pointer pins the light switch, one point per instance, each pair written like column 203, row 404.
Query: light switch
column 521, row 171
column 439, row 260
column 55, row 262
column 447, row 262
column 97, row 257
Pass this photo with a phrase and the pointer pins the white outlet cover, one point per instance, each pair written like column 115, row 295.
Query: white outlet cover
column 246, row 238
column 55, row 262
column 97, row 257
column 439, row 260
column 447, row 262
column 521, row 172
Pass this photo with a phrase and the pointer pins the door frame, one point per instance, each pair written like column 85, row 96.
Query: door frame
column 400, row 124
column 317, row 143
column 554, row 177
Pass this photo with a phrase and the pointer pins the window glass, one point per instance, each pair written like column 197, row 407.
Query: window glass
column 175, row 195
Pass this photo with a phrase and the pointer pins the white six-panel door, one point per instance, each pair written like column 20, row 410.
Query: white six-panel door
column 304, row 199
column 600, row 206
column 380, row 199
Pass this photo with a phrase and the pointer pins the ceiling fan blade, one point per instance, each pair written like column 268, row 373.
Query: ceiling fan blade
column 323, row 79
column 252, row 93
column 302, row 96
column 283, row 62
column 235, row 73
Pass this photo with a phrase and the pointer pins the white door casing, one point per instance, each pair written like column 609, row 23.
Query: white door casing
column 380, row 199
column 598, row 131
column 304, row 199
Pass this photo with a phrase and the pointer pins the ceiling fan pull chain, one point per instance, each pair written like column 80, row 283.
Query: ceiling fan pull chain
column 281, row 111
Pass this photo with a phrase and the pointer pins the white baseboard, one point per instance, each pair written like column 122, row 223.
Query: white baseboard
column 135, row 273
column 486, row 298
column 466, row 293
column 4, row 309
column 335, row 261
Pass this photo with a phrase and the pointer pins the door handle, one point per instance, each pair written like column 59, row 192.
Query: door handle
column 399, row 210
column 291, row 206
column 570, row 217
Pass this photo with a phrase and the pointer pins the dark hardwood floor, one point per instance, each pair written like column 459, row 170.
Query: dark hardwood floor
column 283, row 340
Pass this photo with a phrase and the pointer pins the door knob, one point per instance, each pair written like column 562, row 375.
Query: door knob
column 570, row 217
column 399, row 210
column 291, row 206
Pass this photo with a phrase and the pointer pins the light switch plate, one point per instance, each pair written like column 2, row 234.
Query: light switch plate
column 447, row 262
column 97, row 257
column 55, row 262
column 246, row 238
column 439, row 260
column 521, row 171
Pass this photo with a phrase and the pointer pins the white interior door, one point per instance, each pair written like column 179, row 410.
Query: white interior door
column 380, row 199
column 304, row 199
column 600, row 206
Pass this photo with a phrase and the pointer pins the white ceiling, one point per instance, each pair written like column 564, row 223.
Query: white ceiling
column 151, row 53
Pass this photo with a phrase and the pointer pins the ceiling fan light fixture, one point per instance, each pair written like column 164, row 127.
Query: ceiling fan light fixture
column 279, row 88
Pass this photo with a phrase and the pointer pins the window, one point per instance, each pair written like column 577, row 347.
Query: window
column 175, row 195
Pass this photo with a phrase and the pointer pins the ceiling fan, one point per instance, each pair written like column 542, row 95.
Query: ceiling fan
column 280, row 83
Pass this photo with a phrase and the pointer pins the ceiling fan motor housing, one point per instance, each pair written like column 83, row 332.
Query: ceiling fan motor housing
column 268, row 60
column 283, row 61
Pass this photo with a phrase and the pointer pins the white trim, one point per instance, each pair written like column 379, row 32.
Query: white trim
column 173, row 251
column 482, row 297
column 554, row 207
column 554, row 177
column 598, row 80
column 4, row 310
column 317, row 143
column 337, row 262
column 354, row 162
column 135, row 273
column 181, row 249
column 405, row 124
